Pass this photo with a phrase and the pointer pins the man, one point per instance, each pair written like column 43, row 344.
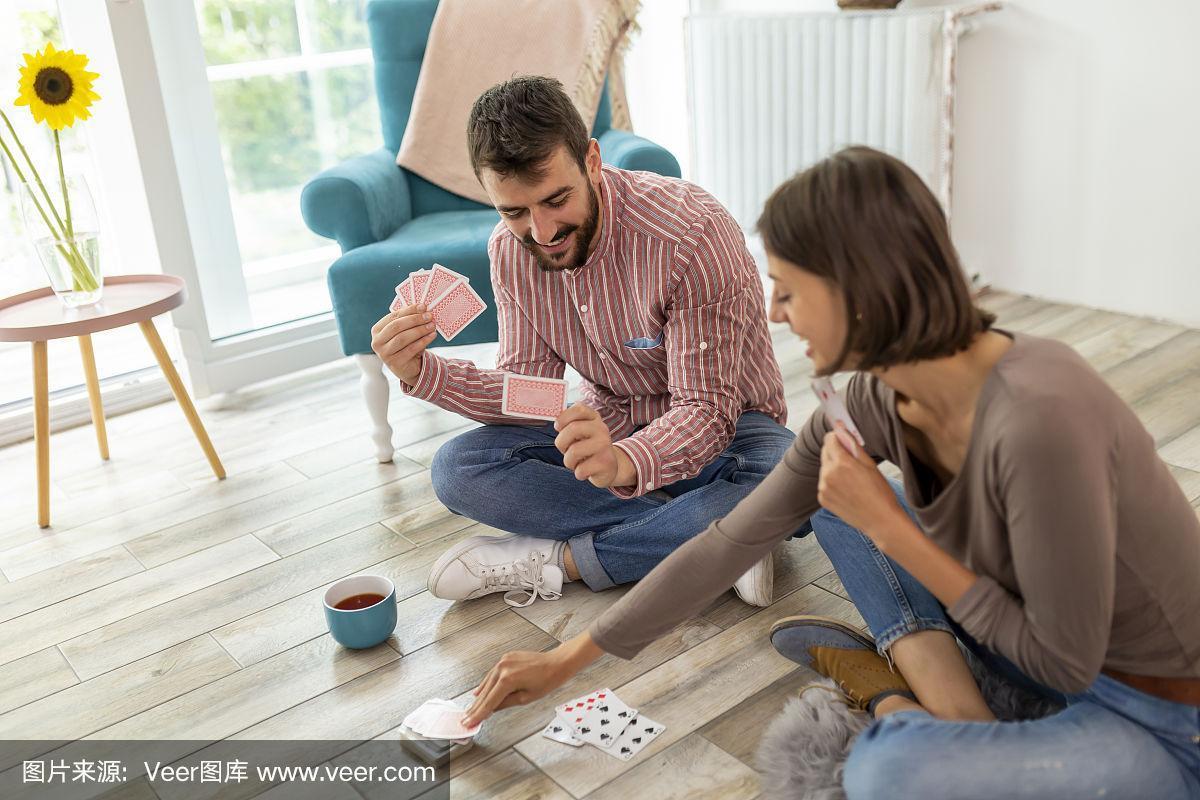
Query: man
column 643, row 285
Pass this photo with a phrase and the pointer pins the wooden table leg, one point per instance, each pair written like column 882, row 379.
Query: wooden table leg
column 41, row 430
column 181, row 395
column 93, row 388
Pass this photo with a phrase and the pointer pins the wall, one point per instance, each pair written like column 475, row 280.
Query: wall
column 1077, row 154
column 1078, row 144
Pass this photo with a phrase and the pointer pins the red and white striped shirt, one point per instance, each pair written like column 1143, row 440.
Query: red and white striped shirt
column 665, row 322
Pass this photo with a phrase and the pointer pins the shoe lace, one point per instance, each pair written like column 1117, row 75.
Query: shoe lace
column 523, row 577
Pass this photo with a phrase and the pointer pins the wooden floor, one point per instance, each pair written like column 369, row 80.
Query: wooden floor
column 163, row 604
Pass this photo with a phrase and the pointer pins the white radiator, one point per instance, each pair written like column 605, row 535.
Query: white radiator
column 771, row 94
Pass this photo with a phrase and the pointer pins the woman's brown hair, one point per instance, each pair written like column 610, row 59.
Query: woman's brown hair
column 866, row 222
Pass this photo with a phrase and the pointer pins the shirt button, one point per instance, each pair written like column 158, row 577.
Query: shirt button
column 650, row 486
column 704, row 345
column 583, row 309
column 604, row 355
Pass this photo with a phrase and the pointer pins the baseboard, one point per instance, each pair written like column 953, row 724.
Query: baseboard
column 69, row 408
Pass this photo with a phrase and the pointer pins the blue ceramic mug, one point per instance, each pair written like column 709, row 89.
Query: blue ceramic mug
column 361, row 627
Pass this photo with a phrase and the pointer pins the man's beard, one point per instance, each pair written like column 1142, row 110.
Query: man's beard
column 578, row 254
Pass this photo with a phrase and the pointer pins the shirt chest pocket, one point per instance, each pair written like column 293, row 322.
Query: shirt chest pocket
column 645, row 350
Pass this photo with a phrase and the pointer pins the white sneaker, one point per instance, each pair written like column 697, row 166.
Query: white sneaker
column 757, row 586
column 519, row 566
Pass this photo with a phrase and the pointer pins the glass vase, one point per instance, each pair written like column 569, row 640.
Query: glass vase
column 65, row 236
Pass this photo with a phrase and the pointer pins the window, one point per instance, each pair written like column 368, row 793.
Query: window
column 293, row 92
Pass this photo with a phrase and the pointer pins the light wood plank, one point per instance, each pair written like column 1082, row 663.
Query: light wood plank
column 1189, row 481
column 108, row 699
column 203, row 610
column 1075, row 324
column 341, row 516
column 118, row 602
column 33, row 677
column 1124, row 341
column 110, row 488
column 420, row 424
column 409, row 522
column 832, row 584
column 379, row 700
column 1156, row 368
column 692, row 769
column 237, row 701
column 508, row 776
column 66, row 580
column 739, row 730
column 260, row 513
column 272, row 630
column 1183, row 452
column 212, row 498
column 423, row 451
column 687, row 692
column 1172, row 410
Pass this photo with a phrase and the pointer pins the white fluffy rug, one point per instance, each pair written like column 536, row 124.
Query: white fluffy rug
column 804, row 749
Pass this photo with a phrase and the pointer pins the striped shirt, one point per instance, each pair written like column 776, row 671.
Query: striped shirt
column 665, row 322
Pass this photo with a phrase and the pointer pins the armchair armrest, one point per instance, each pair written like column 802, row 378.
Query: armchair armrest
column 360, row 201
column 628, row 151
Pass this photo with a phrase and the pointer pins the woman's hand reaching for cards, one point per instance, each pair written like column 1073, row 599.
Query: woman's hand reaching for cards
column 521, row 677
column 400, row 339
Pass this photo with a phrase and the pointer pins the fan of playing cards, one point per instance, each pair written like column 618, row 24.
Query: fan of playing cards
column 451, row 301
column 603, row 721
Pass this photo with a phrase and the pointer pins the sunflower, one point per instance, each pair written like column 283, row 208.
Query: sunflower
column 56, row 87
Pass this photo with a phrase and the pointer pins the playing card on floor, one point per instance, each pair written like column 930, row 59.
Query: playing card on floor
column 559, row 731
column 533, row 397
column 597, row 719
column 640, row 732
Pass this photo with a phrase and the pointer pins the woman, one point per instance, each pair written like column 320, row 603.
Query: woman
column 1044, row 532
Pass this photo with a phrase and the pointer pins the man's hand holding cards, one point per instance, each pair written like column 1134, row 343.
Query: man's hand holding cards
column 448, row 296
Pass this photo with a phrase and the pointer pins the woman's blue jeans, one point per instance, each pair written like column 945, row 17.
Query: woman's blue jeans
column 1111, row 741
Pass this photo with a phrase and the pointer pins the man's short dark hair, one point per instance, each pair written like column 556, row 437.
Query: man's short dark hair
column 866, row 222
column 516, row 125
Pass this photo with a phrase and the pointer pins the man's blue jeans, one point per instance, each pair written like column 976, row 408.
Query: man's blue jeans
column 512, row 478
column 1110, row 741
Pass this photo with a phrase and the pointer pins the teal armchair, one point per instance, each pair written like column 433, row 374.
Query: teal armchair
column 389, row 221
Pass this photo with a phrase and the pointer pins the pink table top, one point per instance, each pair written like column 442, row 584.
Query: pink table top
column 39, row 315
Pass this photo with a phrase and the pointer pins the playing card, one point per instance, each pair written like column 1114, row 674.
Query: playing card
column 559, row 731
column 440, row 719
column 597, row 719
column 420, row 279
column 536, row 398
column 441, row 280
column 640, row 732
column 456, row 308
column 835, row 409
column 405, row 291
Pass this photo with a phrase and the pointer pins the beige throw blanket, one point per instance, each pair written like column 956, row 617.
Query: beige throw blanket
column 475, row 44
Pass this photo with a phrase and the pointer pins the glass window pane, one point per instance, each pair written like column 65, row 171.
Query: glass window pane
column 280, row 124
column 339, row 24
column 247, row 30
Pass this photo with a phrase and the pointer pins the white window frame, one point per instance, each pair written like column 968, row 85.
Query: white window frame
column 172, row 143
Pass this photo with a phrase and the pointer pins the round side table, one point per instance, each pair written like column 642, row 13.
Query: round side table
column 39, row 316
